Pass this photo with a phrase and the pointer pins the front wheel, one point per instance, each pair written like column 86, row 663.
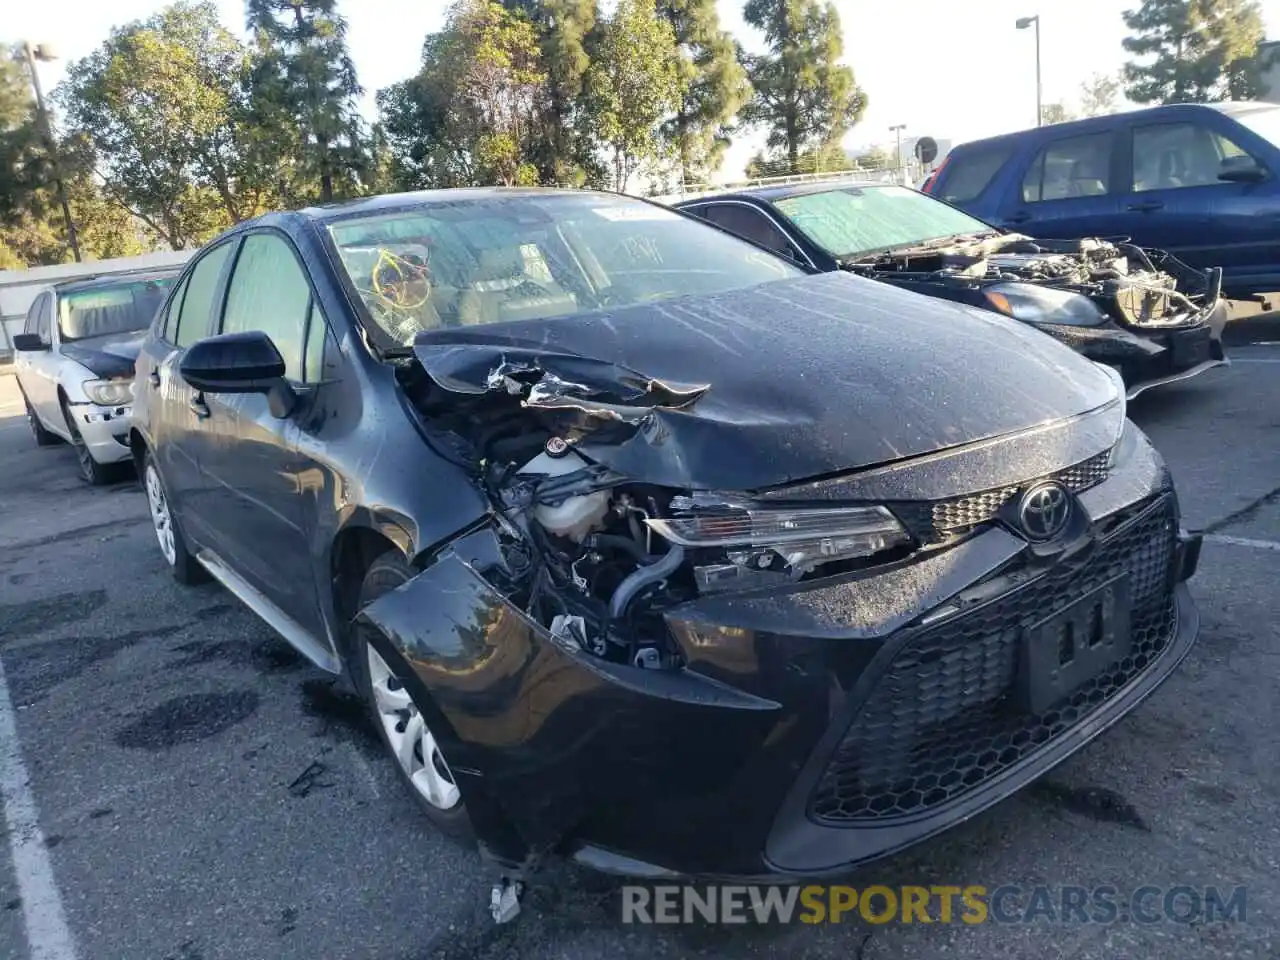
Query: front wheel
column 91, row 471
column 398, row 717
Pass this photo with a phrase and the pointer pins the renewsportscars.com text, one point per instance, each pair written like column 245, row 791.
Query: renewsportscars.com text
column 972, row 904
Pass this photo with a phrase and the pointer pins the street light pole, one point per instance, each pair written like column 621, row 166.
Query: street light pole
column 897, row 129
column 42, row 52
column 1022, row 24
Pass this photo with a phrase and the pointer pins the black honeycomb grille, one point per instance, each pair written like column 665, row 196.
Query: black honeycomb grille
column 943, row 719
column 960, row 515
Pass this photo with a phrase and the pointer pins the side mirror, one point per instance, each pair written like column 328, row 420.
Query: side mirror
column 245, row 362
column 28, row 342
column 1241, row 170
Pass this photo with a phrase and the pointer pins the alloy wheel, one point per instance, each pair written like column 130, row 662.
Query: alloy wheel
column 160, row 517
column 410, row 738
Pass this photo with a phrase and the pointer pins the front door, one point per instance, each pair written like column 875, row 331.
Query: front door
column 1067, row 191
column 38, row 369
column 1180, row 205
column 254, row 475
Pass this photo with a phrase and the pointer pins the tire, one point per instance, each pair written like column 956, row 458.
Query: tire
column 173, row 546
column 91, row 471
column 375, row 663
column 43, row 437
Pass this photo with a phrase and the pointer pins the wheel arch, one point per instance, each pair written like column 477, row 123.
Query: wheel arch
column 353, row 549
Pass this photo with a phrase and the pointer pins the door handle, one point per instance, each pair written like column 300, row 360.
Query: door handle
column 1146, row 206
column 1018, row 218
column 199, row 407
column 154, row 377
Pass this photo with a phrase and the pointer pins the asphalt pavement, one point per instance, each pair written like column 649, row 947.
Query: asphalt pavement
column 185, row 787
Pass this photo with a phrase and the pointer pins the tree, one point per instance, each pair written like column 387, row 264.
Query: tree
column 1056, row 113
column 803, row 95
column 716, row 88
column 23, row 163
column 305, row 73
column 471, row 113
column 160, row 108
column 633, row 84
column 1199, row 50
column 1098, row 94
column 563, row 146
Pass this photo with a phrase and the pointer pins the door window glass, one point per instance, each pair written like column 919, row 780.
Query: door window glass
column 1169, row 156
column 193, row 318
column 169, row 326
column 969, row 171
column 44, row 319
column 749, row 223
column 1070, row 168
column 269, row 292
column 33, row 315
column 313, row 368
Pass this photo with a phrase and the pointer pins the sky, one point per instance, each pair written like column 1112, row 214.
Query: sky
column 947, row 69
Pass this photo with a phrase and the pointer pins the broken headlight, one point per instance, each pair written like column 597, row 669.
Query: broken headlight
column 800, row 537
column 1036, row 304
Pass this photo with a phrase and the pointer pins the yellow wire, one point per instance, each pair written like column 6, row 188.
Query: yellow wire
column 385, row 255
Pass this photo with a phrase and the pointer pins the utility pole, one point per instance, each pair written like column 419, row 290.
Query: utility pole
column 44, row 52
column 897, row 129
column 1022, row 23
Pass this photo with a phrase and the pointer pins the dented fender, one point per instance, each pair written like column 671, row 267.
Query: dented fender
column 530, row 725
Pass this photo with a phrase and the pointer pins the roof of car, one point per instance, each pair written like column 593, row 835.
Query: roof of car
column 115, row 279
column 1235, row 108
column 395, row 201
column 782, row 191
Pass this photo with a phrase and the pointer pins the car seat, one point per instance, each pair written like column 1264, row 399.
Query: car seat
column 501, row 290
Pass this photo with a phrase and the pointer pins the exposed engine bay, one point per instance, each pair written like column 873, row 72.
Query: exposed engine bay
column 1130, row 285
column 595, row 557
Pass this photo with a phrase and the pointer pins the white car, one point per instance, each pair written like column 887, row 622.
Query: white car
column 75, row 361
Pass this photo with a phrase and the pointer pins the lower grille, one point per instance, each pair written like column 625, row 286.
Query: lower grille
column 940, row 519
column 942, row 719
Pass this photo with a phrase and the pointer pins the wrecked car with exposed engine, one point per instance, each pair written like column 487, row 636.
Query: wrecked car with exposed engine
column 648, row 548
column 1144, row 312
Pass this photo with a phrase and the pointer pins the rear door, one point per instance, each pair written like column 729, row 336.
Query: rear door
column 1179, row 204
column 1068, row 189
column 253, row 471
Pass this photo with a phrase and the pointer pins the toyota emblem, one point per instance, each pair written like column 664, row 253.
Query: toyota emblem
column 1044, row 510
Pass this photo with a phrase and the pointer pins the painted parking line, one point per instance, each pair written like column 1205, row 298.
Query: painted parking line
column 1242, row 541
column 48, row 935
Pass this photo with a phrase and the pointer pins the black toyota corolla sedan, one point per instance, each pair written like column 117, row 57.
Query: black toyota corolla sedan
column 1144, row 312
column 648, row 548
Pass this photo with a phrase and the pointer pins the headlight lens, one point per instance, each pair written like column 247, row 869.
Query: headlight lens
column 802, row 537
column 1033, row 304
column 109, row 393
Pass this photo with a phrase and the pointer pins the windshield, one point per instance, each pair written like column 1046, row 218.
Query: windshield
column 468, row 262
column 118, row 308
column 859, row 220
column 1265, row 123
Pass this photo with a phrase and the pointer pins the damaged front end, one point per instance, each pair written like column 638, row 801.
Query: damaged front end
column 1144, row 312
column 646, row 654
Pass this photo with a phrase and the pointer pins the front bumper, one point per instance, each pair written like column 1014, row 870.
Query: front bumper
column 1148, row 356
column 750, row 762
column 105, row 430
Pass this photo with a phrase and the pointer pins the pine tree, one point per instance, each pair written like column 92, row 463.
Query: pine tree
column 566, row 31
column 305, row 73
column 803, row 96
column 717, row 88
column 1199, row 50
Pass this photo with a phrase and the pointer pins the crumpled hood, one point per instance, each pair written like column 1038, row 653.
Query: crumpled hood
column 108, row 357
column 804, row 378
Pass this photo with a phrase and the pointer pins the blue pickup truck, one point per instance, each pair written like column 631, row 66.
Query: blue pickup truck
column 1201, row 181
